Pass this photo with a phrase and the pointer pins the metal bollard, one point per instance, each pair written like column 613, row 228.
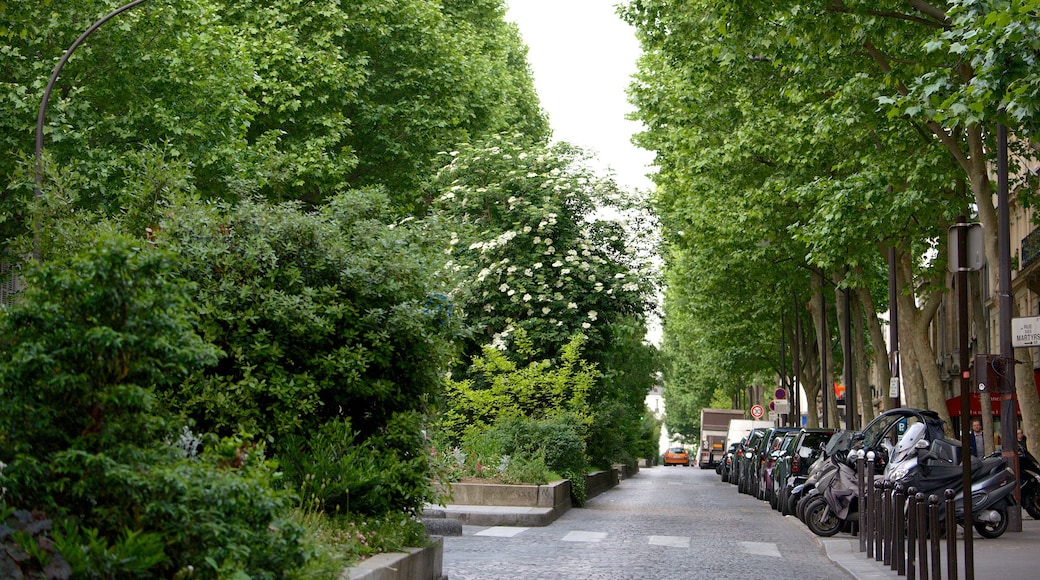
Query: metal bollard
column 862, row 502
column 951, row 536
column 933, row 534
column 911, row 533
column 871, row 524
column 922, row 535
column 879, row 520
column 900, row 540
column 887, row 500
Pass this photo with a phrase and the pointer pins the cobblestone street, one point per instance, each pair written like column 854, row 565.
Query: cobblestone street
column 666, row 522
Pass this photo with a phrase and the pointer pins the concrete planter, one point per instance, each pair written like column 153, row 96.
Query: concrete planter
column 600, row 481
column 496, row 504
column 413, row 564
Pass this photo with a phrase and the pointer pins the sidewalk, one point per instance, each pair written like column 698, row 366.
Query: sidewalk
column 1011, row 556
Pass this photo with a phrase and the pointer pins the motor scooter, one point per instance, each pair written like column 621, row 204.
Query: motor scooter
column 931, row 469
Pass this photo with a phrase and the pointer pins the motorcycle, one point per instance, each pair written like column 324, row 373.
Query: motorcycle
column 836, row 502
column 931, row 468
column 1029, row 471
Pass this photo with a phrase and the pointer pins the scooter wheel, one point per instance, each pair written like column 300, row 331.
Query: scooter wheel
column 820, row 519
column 1031, row 501
column 993, row 530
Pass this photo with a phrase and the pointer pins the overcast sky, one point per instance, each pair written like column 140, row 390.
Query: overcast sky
column 582, row 55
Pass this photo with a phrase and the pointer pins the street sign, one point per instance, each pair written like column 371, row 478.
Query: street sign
column 976, row 251
column 1025, row 332
column 780, row 406
column 757, row 411
column 780, row 394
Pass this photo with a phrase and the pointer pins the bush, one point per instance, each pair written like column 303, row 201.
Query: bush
column 84, row 444
column 523, row 450
column 325, row 317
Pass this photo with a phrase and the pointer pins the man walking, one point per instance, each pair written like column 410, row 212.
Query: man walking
column 978, row 445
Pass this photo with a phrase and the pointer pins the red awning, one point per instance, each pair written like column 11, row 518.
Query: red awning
column 953, row 405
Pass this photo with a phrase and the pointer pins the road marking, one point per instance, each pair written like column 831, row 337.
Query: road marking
column 670, row 541
column 584, row 536
column 761, row 549
column 501, row 531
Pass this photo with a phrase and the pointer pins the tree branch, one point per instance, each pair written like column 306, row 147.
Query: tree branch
column 838, row 7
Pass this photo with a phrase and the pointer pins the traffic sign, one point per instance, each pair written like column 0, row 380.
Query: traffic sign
column 757, row 411
column 780, row 394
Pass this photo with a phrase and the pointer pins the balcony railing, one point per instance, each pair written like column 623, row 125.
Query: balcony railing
column 1030, row 248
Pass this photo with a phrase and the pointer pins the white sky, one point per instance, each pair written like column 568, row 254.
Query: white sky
column 582, row 55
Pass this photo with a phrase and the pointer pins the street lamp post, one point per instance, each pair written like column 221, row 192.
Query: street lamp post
column 37, row 192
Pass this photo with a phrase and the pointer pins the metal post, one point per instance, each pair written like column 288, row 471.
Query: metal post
column 824, row 350
column 796, row 397
column 893, row 323
column 933, row 531
column 847, row 370
column 879, row 520
column 42, row 115
column 871, row 531
column 951, row 536
column 911, row 533
column 922, row 534
column 962, row 331
column 886, row 503
column 900, row 540
column 1007, row 352
column 862, row 499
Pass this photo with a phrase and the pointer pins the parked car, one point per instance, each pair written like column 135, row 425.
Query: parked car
column 726, row 463
column 781, row 447
column 762, row 463
column 793, row 466
column 745, row 458
column 676, row 456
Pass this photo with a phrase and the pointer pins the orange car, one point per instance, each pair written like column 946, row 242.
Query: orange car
column 677, row 456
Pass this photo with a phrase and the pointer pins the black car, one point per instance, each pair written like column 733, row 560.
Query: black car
column 725, row 466
column 793, row 466
column 747, row 456
column 783, row 446
column 759, row 469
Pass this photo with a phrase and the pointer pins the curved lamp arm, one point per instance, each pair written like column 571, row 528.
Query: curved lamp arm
column 46, row 97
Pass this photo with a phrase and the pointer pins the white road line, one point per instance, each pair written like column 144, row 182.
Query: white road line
column 761, row 549
column 501, row 531
column 670, row 541
column 577, row 536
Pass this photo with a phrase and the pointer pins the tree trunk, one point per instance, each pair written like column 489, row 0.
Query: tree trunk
column 819, row 317
column 841, row 310
column 810, row 378
column 913, row 382
column 859, row 351
column 919, row 320
column 877, row 340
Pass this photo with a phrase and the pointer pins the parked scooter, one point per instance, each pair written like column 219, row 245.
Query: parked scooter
column 1029, row 471
column 827, row 512
column 932, row 469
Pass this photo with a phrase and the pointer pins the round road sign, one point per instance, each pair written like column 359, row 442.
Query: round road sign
column 757, row 411
column 780, row 394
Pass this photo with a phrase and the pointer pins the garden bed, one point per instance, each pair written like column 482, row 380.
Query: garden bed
column 498, row 504
column 413, row 564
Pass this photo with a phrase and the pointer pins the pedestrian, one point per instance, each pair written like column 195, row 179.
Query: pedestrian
column 978, row 446
column 1021, row 438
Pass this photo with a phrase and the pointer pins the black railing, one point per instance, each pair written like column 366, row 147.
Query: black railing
column 1030, row 248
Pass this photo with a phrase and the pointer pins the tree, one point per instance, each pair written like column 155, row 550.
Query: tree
column 530, row 255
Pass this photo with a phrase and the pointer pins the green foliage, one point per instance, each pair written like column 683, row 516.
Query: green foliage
column 325, row 316
column 94, row 333
column 83, row 440
column 502, row 389
column 353, row 94
column 521, row 450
